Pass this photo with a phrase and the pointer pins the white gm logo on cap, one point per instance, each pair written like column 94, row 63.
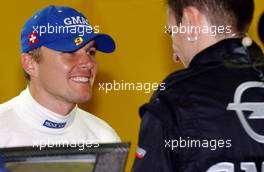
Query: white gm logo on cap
column 77, row 20
column 257, row 109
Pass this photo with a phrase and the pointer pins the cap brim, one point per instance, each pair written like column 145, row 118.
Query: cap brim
column 103, row 42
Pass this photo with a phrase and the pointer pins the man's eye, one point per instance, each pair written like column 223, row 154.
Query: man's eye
column 91, row 52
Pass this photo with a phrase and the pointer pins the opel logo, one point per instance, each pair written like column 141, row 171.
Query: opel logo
column 257, row 109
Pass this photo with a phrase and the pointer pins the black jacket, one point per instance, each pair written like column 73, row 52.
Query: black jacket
column 210, row 116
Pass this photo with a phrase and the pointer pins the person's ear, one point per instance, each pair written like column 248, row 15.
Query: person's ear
column 29, row 64
column 191, row 19
column 191, row 16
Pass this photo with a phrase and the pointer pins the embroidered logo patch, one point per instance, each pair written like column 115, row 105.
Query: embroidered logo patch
column 32, row 38
column 78, row 41
column 256, row 109
column 51, row 124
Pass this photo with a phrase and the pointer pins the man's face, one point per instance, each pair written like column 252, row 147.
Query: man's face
column 67, row 77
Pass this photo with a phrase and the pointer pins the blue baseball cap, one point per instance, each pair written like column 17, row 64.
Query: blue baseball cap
column 62, row 29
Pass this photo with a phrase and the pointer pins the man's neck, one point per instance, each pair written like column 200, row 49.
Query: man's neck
column 203, row 44
column 54, row 104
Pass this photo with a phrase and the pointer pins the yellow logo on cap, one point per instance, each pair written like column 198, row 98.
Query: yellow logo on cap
column 78, row 41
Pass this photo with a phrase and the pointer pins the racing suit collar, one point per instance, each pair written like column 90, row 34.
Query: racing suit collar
column 40, row 117
column 213, row 56
column 216, row 52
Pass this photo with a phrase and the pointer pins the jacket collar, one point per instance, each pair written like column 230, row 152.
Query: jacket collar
column 212, row 57
column 216, row 52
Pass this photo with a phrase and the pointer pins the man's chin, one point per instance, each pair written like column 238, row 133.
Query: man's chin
column 81, row 94
column 83, row 98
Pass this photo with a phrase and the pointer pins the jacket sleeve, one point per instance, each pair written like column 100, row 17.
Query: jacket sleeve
column 151, row 154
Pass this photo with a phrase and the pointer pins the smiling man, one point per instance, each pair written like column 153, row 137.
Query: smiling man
column 58, row 57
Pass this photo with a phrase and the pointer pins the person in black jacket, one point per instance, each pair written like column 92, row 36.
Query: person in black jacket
column 210, row 116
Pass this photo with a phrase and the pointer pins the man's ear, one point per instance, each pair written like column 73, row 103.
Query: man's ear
column 29, row 64
column 191, row 16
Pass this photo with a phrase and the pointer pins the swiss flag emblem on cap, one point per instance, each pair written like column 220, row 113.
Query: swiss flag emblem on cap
column 32, row 38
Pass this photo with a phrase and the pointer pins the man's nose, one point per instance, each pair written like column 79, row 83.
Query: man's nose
column 86, row 61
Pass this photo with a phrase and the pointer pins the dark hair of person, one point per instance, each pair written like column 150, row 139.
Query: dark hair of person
column 235, row 13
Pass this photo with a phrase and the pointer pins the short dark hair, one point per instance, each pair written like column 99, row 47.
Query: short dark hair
column 236, row 13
